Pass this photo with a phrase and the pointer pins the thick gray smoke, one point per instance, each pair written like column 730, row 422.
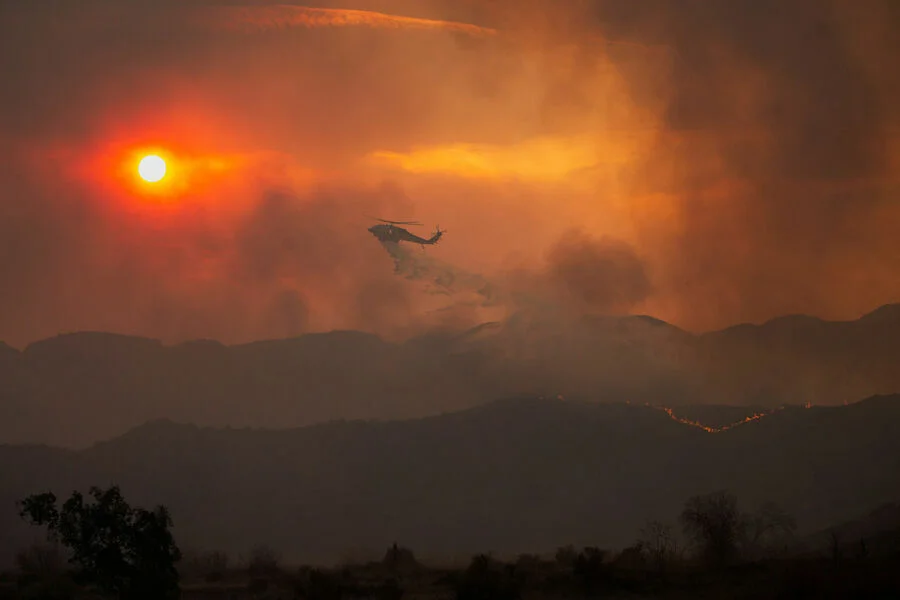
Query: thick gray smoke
column 581, row 274
column 439, row 277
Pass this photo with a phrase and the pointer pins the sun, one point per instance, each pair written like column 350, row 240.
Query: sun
column 152, row 168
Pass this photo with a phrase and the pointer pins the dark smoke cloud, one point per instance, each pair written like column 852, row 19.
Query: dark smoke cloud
column 580, row 274
column 599, row 275
column 746, row 158
column 296, row 262
column 771, row 180
column 775, row 105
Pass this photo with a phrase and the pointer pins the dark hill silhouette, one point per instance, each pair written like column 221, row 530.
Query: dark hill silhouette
column 879, row 529
column 523, row 475
column 76, row 389
column 804, row 359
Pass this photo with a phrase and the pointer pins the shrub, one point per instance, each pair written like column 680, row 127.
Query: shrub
column 263, row 562
column 485, row 579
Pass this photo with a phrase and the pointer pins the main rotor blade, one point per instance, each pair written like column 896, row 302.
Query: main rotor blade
column 399, row 222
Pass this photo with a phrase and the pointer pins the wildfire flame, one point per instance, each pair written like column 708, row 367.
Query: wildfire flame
column 708, row 429
column 685, row 421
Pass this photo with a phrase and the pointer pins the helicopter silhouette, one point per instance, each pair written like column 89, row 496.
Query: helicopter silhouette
column 388, row 232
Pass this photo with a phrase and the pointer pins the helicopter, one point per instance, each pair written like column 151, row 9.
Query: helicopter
column 389, row 232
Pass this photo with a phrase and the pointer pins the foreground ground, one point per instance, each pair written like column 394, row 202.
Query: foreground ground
column 527, row 578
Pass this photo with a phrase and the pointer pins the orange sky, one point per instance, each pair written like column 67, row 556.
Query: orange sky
column 704, row 164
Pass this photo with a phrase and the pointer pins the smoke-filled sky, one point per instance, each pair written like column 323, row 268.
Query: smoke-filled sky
column 704, row 162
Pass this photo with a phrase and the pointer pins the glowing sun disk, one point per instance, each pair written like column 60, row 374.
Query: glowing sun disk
column 152, row 168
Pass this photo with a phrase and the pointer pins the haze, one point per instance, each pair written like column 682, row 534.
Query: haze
column 706, row 163
column 644, row 340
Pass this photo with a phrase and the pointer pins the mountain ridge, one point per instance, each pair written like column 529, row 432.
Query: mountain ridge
column 883, row 312
column 504, row 406
column 74, row 389
column 516, row 475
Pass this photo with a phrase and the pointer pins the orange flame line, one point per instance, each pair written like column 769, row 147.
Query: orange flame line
column 261, row 18
column 708, row 429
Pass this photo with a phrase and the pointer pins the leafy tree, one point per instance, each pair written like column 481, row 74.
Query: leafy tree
column 485, row 579
column 566, row 555
column 317, row 584
column 42, row 561
column 658, row 540
column 263, row 562
column 42, row 575
column 400, row 560
column 390, row 590
column 836, row 553
column 213, row 565
column 588, row 568
column 128, row 552
column 715, row 524
column 766, row 529
column 528, row 568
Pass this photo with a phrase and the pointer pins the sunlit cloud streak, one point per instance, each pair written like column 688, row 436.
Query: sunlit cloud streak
column 281, row 16
column 546, row 159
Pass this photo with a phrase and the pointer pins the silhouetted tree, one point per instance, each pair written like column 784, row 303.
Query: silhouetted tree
column 588, row 569
column 485, row 579
column 766, row 529
column 835, row 549
column 125, row 551
column 633, row 557
column 528, row 568
column 316, row 584
column 390, row 590
column 565, row 555
column 658, row 541
column 43, row 574
column 263, row 562
column 212, row 565
column 41, row 560
column 863, row 549
column 715, row 524
column 399, row 560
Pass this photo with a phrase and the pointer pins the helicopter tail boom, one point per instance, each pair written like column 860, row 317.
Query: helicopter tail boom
column 437, row 236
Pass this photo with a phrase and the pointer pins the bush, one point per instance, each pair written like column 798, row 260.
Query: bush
column 714, row 523
column 263, row 562
column 528, row 568
column 485, row 579
column 390, row 590
column 60, row 588
column 41, row 560
column 213, row 566
column 565, row 556
column 400, row 560
column 588, row 568
column 316, row 584
column 658, row 542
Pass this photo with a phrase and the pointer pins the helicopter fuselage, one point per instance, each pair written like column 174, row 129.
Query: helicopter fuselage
column 392, row 233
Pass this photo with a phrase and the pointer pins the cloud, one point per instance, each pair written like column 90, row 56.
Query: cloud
column 264, row 18
column 774, row 165
column 537, row 160
column 580, row 274
column 604, row 275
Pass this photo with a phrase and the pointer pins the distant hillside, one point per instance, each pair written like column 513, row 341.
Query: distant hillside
column 512, row 476
column 877, row 532
column 76, row 389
